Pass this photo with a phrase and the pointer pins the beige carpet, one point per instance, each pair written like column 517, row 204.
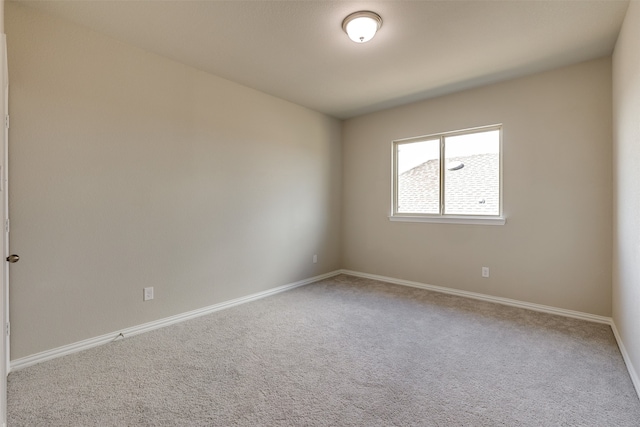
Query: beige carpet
column 341, row 352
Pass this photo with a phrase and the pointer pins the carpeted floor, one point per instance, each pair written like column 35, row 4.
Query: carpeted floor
column 341, row 352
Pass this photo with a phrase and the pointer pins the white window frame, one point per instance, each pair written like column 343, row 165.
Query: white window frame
column 441, row 217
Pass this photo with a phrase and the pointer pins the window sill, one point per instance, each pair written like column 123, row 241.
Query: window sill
column 450, row 219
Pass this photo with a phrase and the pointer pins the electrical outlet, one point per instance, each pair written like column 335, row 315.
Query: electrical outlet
column 485, row 271
column 315, row 259
column 148, row 294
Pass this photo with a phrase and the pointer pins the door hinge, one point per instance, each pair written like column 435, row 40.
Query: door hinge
column 6, row 121
column 6, row 225
column 8, row 328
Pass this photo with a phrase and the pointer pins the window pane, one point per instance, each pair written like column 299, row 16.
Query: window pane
column 419, row 177
column 472, row 174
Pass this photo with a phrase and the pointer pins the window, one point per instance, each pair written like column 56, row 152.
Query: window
column 449, row 177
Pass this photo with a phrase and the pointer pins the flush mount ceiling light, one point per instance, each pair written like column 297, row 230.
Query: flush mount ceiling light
column 362, row 26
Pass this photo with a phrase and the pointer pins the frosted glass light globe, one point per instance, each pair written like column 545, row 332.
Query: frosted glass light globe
column 362, row 26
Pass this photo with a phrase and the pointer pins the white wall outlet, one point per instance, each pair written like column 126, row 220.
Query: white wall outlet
column 485, row 271
column 315, row 259
column 148, row 294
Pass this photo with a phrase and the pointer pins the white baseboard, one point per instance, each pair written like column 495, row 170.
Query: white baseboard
column 146, row 327
column 627, row 360
column 23, row 362
column 489, row 298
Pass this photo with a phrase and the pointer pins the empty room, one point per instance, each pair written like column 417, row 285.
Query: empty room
column 320, row 213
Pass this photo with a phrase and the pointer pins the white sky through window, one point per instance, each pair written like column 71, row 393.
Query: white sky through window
column 413, row 154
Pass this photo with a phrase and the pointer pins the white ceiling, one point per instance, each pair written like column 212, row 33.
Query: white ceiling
column 297, row 50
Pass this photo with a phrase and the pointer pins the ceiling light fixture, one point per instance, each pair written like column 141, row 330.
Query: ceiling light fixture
column 362, row 26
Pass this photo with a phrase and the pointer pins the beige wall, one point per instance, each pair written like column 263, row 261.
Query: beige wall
column 555, row 248
column 626, row 189
column 129, row 170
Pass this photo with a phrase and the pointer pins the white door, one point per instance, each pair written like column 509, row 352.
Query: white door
column 4, row 241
